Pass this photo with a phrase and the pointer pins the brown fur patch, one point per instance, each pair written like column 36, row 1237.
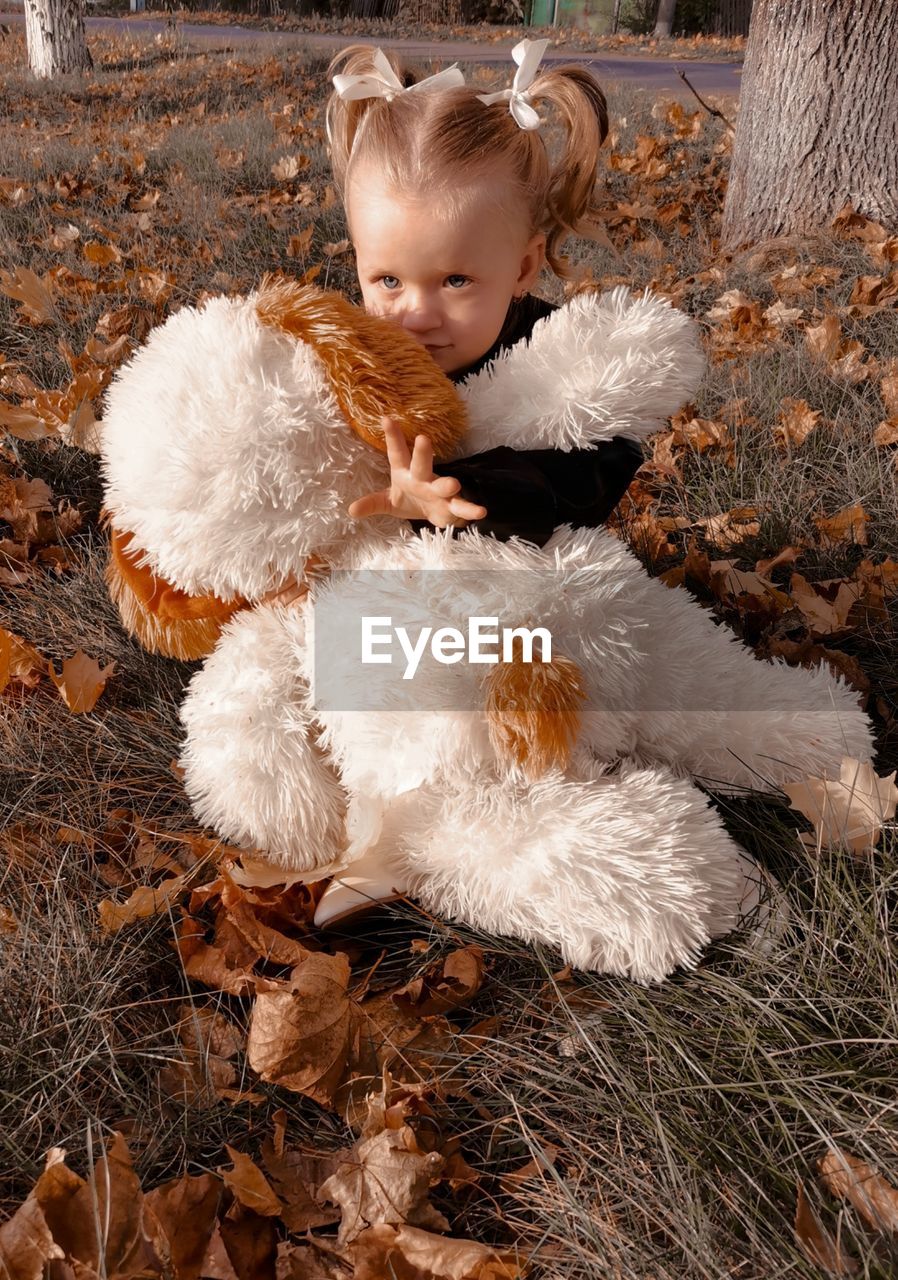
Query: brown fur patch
column 533, row 712
column 164, row 619
column 374, row 367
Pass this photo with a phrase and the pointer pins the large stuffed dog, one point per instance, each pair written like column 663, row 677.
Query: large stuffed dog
column 550, row 798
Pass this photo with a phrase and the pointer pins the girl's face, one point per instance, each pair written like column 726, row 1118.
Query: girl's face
column 447, row 281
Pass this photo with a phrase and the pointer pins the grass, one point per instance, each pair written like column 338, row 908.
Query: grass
column 671, row 1126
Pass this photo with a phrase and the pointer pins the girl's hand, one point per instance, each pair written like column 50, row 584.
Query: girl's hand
column 415, row 492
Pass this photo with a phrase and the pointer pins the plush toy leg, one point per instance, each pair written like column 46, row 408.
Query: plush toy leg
column 630, row 873
column 710, row 709
column 252, row 768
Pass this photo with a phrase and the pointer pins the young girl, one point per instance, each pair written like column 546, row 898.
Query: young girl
column 454, row 206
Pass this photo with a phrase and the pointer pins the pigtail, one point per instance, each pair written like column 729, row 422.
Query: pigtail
column 343, row 118
column 583, row 111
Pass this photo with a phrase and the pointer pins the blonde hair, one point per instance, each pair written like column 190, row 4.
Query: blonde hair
column 442, row 142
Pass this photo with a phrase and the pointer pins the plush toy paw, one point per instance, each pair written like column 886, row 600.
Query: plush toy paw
column 629, row 873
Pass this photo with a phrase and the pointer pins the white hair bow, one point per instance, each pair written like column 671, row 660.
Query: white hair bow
column 387, row 84
column 527, row 54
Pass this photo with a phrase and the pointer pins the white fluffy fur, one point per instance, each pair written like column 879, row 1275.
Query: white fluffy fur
column 629, row 874
column 666, row 684
column 602, row 365
column 226, row 456
column 252, row 767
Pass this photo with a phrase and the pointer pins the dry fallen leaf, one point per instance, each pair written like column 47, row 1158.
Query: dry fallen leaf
column 81, row 681
column 250, row 1186
column 112, row 1196
column 806, row 653
column 27, row 1244
column 19, row 662
column 180, row 1217
column 849, row 812
column 243, row 1246
column 842, row 355
column 143, row 903
column 875, row 1199
column 788, row 555
column 29, row 290
column 385, row 1178
column 299, row 1035
column 729, row 528
column 847, row 525
column 294, row 1177
column 886, row 433
column 533, row 1168
column 288, row 167
column 209, row 1043
column 795, row 423
column 448, row 984
column 384, row 1251
column 817, row 1242
column 9, row 923
column 825, row 605
column 209, row 964
column 22, row 422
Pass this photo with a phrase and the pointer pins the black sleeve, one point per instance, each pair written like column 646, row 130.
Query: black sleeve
column 529, row 492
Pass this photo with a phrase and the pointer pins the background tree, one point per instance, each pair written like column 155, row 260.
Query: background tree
column 664, row 20
column 818, row 118
column 54, row 32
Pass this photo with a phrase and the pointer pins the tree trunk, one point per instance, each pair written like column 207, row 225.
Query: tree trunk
column 818, row 119
column 664, row 20
column 54, row 31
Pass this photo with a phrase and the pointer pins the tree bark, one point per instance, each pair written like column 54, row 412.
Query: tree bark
column 818, row 119
column 664, row 20
column 54, row 32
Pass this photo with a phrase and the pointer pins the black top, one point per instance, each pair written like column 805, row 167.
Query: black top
column 529, row 492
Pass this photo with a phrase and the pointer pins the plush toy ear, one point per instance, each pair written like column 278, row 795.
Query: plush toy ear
column 164, row 619
column 238, row 434
column 373, row 366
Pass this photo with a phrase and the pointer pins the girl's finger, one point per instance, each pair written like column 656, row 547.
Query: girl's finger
column 397, row 450
column 445, row 486
column 467, row 510
column 422, row 459
column 372, row 504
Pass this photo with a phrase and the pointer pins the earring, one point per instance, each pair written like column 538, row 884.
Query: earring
column 519, row 296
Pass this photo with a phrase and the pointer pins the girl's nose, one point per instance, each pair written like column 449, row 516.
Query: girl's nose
column 420, row 315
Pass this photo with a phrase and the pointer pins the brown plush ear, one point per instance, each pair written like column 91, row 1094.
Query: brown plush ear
column 374, row 367
column 164, row 619
column 533, row 712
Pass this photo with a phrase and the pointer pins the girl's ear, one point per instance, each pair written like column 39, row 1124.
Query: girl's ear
column 532, row 262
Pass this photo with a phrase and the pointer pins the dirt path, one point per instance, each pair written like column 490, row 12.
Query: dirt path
column 652, row 73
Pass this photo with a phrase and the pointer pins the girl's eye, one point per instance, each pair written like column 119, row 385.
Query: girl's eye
column 464, row 279
column 384, row 280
